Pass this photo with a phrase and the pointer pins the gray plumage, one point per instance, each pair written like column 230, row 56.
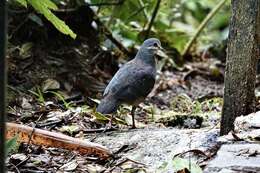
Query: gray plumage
column 133, row 81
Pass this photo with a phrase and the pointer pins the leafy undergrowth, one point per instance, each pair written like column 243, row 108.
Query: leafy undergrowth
column 173, row 102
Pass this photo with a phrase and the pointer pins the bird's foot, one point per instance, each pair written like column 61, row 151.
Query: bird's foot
column 133, row 125
column 109, row 126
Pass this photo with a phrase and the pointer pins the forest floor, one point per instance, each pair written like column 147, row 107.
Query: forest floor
column 55, row 84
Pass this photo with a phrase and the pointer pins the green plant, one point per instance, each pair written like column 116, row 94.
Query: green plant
column 45, row 8
column 11, row 145
column 202, row 26
column 212, row 104
column 40, row 97
column 176, row 23
column 184, row 104
column 39, row 94
column 178, row 164
column 67, row 105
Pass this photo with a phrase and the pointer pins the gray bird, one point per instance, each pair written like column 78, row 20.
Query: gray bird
column 133, row 81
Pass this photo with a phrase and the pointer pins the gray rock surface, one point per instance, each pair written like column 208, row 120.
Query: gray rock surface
column 154, row 146
column 236, row 158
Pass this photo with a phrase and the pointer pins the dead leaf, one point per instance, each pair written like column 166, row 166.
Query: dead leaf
column 25, row 104
column 70, row 129
column 70, row 166
column 18, row 156
column 25, row 50
column 50, row 84
column 95, row 168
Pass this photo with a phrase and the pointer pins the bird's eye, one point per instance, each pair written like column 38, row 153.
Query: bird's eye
column 155, row 45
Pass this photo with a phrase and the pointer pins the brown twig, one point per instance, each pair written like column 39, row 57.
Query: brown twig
column 101, row 130
column 13, row 165
column 155, row 11
column 109, row 34
column 136, row 12
column 195, row 151
column 22, row 162
column 124, row 161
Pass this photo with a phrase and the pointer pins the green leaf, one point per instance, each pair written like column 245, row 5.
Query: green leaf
column 70, row 129
column 35, row 19
column 180, row 164
column 22, row 2
column 11, row 144
column 44, row 7
column 49, row 4
column 25, row 50
column 100, row 117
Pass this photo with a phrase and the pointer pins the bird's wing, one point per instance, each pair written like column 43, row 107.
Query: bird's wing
column 137, row 87
column 116, row 81
column 131, row 83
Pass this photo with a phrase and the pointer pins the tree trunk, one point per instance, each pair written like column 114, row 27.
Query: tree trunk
column 242, row 55
column 2, row 82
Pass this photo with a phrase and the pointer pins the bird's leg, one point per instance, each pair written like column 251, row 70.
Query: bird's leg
column 109, row 124
column 110, row 121
column 133, row 115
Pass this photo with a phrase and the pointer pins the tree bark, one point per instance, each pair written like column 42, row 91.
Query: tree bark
column 242, row 55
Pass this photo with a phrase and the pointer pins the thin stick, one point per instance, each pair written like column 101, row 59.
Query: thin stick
column 3, row 33
column 110, row 36
column 120, row 2
column 108, row 33
column 155, row 11
column 202, row 26
column 136, row 12
column 144, row 10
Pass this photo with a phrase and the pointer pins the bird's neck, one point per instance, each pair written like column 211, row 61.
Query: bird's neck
column 146, row 57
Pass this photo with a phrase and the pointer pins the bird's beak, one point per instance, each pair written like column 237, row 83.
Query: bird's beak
column 161, row 48
column 161, row 52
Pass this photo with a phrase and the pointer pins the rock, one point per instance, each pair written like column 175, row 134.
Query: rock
column 245, row 123
column 247, row 128
column 25, row 104
column 236, row 158
column 172, row 119
column 153, row 147
column 50, row 84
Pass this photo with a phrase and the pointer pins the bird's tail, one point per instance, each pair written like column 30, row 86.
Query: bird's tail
column 107, row 105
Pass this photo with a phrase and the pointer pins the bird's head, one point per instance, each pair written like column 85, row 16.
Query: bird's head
column 152, row 45
column 149, row 49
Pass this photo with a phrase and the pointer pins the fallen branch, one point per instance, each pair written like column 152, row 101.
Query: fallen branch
column 53, row 139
